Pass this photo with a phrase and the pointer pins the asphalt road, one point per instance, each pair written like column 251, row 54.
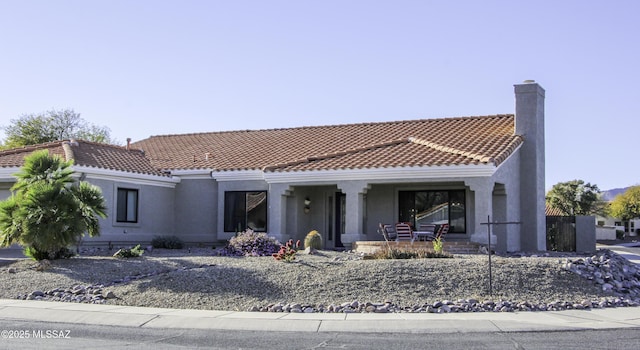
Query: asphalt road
column 72, row 336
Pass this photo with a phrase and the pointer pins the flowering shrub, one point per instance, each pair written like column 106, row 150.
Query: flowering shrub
column 250, row 243
column 287, row 252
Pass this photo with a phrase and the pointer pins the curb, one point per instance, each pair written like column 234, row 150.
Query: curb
column 116, row 315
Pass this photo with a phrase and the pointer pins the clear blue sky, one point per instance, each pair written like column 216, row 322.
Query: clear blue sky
column 155, row 67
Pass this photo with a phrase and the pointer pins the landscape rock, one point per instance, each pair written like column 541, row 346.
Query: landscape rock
column 611, row 273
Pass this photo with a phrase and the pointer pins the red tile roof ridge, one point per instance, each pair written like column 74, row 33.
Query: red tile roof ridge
column 68, row 151
column 31, row 148
column 335, row 154
column 108, row 145
column 447, row 149
column 58, row 143
column 88, row 154
column 390, row 122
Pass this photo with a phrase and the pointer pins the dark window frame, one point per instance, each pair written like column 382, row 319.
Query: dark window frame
column 407, row 213
column 237, row 214
column 122, row 205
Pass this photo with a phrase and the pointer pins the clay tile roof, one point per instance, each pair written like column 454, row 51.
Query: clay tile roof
column 553, row 211
column 14, row 157
column 88, row 154
column 425, row 142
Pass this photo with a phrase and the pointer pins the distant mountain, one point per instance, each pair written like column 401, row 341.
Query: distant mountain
column 609, row 195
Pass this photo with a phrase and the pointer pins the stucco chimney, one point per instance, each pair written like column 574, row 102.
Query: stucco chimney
column 128, row 143
column 530, row 124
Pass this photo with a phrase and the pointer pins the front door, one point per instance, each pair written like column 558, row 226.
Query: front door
column 340, row 222
column 335, row 219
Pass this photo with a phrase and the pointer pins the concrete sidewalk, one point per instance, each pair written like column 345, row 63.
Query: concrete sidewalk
column 114, row 315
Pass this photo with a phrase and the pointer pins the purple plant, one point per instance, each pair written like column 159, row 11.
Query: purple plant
column 250, row 243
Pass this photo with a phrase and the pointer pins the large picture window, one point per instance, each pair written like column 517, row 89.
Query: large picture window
column 433, row 207
column 244, row 210
column 127, row 205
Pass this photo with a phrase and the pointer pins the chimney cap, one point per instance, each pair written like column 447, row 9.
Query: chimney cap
column 529, row 81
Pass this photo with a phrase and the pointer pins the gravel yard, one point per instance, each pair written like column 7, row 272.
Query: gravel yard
column 196, row 279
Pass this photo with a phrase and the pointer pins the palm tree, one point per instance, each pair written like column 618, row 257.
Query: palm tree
column 49, row 211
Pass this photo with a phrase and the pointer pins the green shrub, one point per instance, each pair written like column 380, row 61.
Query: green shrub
column 35, row 254
column 49, row 210
column 167, row 242
column 394, row 253
column 313, row 240
column 129, row 253
column 437, row 245
column 619, row 234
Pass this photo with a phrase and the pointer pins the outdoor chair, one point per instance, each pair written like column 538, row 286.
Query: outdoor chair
column 404, row 232
column 388, row 232
column 442, row 231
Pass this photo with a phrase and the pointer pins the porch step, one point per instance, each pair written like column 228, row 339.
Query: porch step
column 453, row 247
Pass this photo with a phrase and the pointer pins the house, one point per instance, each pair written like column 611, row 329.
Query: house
column 342, row 180
column 610, row 228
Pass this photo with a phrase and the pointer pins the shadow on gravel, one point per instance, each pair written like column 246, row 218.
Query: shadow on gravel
column 112, row 271
column 212, row 281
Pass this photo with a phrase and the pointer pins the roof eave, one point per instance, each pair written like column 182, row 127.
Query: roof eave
column 7, row 174
column 238, row 175
column 123, row 176
column 401, row 174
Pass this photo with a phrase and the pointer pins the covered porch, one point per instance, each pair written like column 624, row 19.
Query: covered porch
column 347, row 213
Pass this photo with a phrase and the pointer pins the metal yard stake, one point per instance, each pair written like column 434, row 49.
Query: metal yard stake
column 489, row 223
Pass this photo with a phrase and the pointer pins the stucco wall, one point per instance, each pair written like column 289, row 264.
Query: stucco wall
column 530, row 124
column 382, row 207
column 196, row 210
column 508, row 173
column 155, row 213
column 605, row 233
column 585, row 234
column 300, row 223
column 4, row 193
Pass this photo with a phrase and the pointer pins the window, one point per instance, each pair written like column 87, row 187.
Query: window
column 244, row 210
column 433, row 207
column 127, row 205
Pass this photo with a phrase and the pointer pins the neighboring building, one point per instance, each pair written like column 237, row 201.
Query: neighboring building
column 631, row 228
column 341, row 180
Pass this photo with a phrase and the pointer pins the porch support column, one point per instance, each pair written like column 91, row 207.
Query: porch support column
column 277, row 220
column 482, row 206
column 355, row 213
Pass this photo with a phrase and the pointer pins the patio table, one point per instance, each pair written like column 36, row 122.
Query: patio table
column 427, row 235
